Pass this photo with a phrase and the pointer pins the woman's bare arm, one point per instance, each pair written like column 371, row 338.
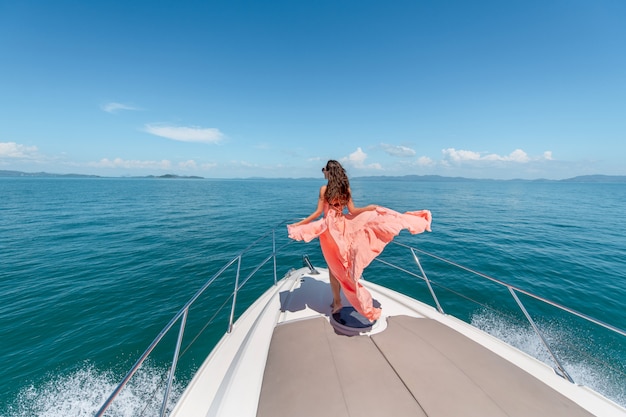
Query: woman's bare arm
column 318, row 211
column 352, row 209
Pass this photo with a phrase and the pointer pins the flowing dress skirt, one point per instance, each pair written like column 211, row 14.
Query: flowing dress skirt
column 350, row 243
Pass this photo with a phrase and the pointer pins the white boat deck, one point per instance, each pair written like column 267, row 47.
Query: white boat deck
column 285, row 358
column 415, row 367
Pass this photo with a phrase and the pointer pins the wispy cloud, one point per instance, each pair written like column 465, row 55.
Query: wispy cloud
column 114, row 107
column 135, row 164
column 189, row 164
column 398, row 150
column 17, row 151
column 451, row 155
column 131, row 164
column 186, row 134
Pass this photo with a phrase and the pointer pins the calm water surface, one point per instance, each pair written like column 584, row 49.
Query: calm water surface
column 92, row 269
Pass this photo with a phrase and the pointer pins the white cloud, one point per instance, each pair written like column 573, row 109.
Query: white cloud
column 517, row 155
column 425, row 161
column 131, row 164
column 190, row 164
column 451, row 155
column 357, row 160
column 186, row 134
column 397, row 150
column 17, row 151
column 357, row 157
column 115, row 107
column 461, row 155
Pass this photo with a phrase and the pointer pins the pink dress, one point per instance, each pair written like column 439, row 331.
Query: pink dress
column 350, row 243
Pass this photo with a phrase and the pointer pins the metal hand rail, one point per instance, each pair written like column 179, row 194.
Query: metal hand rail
column 513, row 291
column 182, row 316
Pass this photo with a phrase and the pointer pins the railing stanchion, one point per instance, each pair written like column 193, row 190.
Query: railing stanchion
column 170, row 378
column 432, row 292
column 536, row 329
column 232, row 310
column 274, row 253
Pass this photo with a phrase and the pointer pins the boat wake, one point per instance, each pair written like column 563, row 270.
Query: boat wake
column 83, row 392
column 598, row 374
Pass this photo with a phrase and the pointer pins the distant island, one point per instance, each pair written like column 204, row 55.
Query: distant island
column 408, row 178
column 42, row 175
column 49, row 175
column 173, row 176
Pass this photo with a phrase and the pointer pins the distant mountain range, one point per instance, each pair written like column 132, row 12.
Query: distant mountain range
column 597, row 178
column 431, row 178
column 434, row 178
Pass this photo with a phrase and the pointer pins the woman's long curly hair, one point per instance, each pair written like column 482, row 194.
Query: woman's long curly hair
column 338, row 188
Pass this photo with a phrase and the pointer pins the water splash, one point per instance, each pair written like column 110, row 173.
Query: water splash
column 585, row 369
column 83, row 392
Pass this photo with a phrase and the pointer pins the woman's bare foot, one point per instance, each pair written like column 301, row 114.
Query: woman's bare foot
column 335, row 307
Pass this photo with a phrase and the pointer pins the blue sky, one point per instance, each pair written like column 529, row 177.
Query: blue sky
column 230, row 89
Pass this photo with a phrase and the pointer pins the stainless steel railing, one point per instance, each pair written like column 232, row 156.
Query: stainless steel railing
column 513, row 290
column 239, row 283
column 184, row 311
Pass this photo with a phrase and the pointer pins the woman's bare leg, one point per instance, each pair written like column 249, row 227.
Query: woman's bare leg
column 335, row 287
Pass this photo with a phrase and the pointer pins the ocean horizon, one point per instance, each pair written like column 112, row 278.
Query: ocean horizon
column 590, row 178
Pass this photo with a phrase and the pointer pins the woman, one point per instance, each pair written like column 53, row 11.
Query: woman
column 351, row 241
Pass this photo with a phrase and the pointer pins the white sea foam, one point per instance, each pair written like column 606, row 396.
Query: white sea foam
column 83, row 392
column 583, row 369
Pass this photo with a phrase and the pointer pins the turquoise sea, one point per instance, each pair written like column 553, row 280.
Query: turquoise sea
column 92, row 269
